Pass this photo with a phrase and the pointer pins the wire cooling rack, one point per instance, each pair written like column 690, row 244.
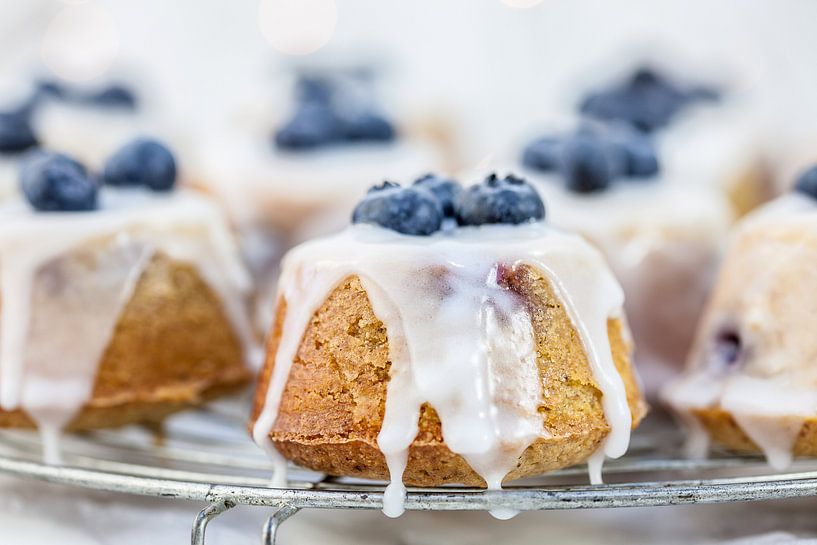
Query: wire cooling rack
column 205, row 455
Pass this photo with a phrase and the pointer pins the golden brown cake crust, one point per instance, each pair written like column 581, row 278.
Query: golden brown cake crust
column 172, row 348
column 722, row 428
column 334, row 401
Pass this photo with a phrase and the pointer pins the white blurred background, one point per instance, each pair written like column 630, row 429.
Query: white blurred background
column 493, row 67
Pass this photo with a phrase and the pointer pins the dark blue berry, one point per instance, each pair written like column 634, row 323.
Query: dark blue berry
column 543, row 154
column 113, row 96
column 367, row 127
column 648, row 101
column 807, row 183
column 55, row 182
column 727, row 349
column 142, row 162
column 314, row 89
column 51, row 89
column 407, row 210
column 586, row 166
column 637, row 151
column 445, row 189
column 313, row 125
column 499, row 200
column 16, row 132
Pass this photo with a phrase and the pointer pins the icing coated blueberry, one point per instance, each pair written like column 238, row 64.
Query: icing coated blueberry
column 586, row 165
column 16, row 132
column 142, row 162
column 55, row 182
column 807, row 183
column 408, row 210
column 446, row 190
column 508, row 200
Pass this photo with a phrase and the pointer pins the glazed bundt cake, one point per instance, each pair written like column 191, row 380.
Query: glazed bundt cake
column 427, row 349
column 116, row 305
column 751, row 383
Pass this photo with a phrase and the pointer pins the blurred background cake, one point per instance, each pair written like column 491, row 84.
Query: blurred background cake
column 751, row 379
column 120, row 304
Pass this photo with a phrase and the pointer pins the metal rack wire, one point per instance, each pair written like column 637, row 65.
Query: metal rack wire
column 205, row 456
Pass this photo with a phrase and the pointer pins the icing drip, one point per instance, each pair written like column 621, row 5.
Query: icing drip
column 763, row 301
column 662, row 240
column 84, row 267
column 458, row 339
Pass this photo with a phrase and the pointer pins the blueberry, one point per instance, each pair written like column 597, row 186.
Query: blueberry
column 638, row 153
column 55, row 182
column 367, row 127
column 647, row 101
column 49, row 88
column 499, row 200
column 445, row 189
column 586, row 167
column 727, row 349
column 543, row 154
column 408, row 210
column 141, row 162
column 113, row 96
column 312, row 126
column 16, row 132
column 314, row 89
column 807, row 183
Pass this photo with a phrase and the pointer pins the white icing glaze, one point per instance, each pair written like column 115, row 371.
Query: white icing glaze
column 765, row 297
column 662, row 240
column 84, row 266
column 458, row 340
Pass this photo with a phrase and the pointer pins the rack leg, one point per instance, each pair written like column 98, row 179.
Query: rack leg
column 275, row 522
column 205, row 516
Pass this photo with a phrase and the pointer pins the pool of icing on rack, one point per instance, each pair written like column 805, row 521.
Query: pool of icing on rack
column 83, row 267
column 463, row 344
column 765, row 296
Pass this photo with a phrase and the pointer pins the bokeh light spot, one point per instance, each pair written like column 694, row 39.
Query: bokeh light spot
column 81, row 42
column 297, row 27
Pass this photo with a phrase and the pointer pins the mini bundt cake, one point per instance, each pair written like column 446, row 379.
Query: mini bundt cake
column 448, row 336
column 661, row 239
column 117, row 305
column 751, row 383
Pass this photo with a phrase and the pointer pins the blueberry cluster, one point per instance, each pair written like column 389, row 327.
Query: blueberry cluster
column 16, row 130
column 647, row 100
column 590, row 158
column 320, row 120
column 113, row 95
column 425, row 206
column 807, row 183
column 55, row 182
